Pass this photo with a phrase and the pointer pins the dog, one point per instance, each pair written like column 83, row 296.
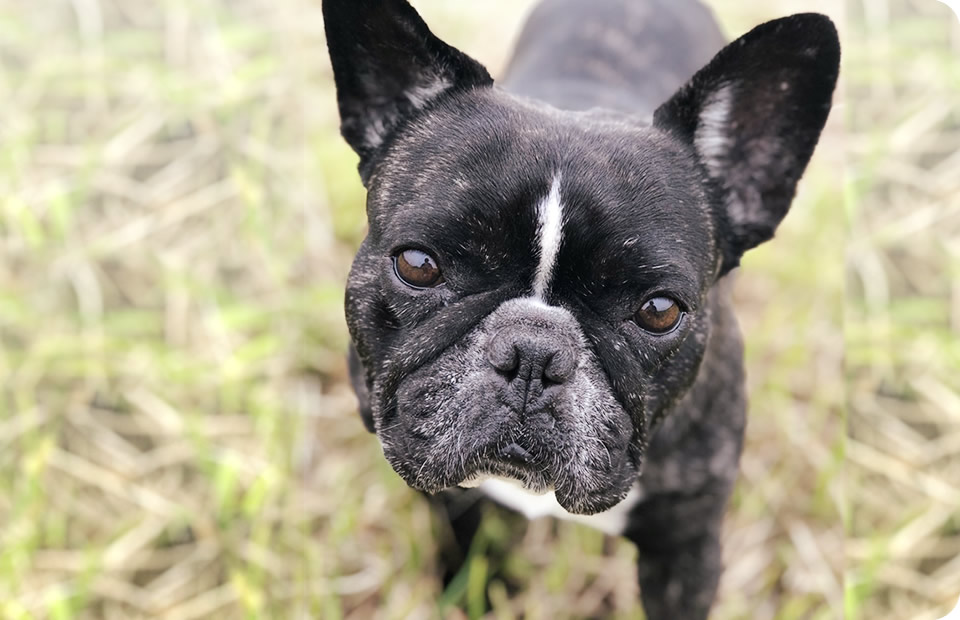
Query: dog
column 540, row 310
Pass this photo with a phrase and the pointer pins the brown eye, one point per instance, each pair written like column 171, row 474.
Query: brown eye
column 417, row 269
column 658, row 315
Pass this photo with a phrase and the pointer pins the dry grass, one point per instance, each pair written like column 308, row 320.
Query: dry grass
column 903, row 312
column 176, row 436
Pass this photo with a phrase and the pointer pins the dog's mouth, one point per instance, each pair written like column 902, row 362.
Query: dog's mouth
column 580, row 483
column 570, row 498
column 539, row 473
column 527, row 464
column 588, row 471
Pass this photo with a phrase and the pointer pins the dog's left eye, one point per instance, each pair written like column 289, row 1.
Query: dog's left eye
column 659, row 315
column 417, row 269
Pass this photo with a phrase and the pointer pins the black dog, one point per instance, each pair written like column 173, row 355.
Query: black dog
column 540, row 307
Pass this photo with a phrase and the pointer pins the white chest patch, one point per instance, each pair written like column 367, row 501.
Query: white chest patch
column 534, row 506
column 549, row 236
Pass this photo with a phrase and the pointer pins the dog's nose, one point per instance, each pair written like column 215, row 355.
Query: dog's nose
column 518, row 354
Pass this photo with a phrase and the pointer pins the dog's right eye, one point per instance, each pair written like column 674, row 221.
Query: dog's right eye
column 417, row 269
column 659, row 315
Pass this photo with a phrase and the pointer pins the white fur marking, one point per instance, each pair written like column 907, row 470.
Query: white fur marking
column 550, row 233
column 711, row 138
column 420, row 94
column 533, row 506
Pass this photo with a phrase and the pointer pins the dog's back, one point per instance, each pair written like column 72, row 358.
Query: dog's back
column 628, row 55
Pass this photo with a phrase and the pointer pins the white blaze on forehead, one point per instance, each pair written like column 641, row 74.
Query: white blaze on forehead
column 549, row 235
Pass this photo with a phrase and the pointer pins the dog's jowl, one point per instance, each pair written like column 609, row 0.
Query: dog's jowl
column 540, row 309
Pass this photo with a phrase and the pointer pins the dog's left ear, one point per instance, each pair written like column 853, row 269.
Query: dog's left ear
column 387, row 66
column 753, row 116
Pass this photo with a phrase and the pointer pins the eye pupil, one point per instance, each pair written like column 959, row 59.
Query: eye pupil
column 417, row 269
column 659, row 315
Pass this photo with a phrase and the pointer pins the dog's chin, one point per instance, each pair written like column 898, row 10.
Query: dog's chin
column 583, row 497
column 572, row 503
column 529, row 481
column 583, row 483
column 584, row 494
column 587, row 497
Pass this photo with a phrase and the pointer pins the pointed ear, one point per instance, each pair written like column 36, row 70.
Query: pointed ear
column 387, row 66
column 753, row 116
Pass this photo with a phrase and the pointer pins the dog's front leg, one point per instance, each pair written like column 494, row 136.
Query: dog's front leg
column 459, row 513
column 680, row 560
column 680, row 582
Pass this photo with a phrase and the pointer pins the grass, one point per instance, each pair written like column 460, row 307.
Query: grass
column 902, row 309
column 177, row 438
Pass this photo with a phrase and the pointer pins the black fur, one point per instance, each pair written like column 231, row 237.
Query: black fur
column 387, row 66
column 592, row 406
column 781, row 75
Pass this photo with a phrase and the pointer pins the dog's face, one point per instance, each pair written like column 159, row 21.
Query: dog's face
column 532, row 296
column 518, row 307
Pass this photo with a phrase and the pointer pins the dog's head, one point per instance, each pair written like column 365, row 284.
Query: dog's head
column 532, row 296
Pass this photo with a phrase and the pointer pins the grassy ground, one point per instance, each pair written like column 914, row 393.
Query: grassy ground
column 903, row 312
column 177, row 214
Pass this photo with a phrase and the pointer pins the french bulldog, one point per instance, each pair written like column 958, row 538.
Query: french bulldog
column 540, row 310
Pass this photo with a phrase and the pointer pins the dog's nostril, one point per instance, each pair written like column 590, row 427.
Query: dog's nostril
column 503, row 355
column 561, row 365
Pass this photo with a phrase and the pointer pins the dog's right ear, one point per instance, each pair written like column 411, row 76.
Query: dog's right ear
column 388, row 66
column 753, row 116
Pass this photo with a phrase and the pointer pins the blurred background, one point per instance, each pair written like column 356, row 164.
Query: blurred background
column 177, row 437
